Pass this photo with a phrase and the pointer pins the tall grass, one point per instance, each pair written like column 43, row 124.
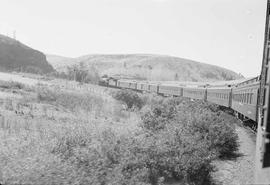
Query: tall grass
column 11, row 85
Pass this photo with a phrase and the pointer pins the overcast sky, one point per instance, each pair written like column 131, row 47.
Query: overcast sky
column 227, row 33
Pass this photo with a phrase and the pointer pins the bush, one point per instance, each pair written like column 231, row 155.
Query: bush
column 195, row 128
column 11, row 85
column 144, row 159
column 130, row 98
column 69, row 100
column 46, row 95
column 84, row 74
column 158, row 116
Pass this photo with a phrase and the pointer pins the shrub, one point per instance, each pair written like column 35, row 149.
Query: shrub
column 84, row 74
column 130, row 98
column 46, row 95
column 158, row 116
column 11, row 85
column 150, row 99
column 199, row 125
column 142, row 159
column 69, row 100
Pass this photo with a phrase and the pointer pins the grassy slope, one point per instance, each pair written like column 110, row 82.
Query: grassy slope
column 150, row 67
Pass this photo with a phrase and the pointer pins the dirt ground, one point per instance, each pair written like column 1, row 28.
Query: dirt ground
column 241, row 169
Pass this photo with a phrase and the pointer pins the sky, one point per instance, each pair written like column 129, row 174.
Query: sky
column 226, row 33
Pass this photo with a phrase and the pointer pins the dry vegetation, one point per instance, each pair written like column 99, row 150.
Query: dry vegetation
column 71, row 134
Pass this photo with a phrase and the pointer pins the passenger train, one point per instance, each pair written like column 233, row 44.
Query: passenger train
column 242, row 97
column 250, row 100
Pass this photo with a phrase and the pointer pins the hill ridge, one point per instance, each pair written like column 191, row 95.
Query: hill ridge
column 16, row 56
column 149, row 67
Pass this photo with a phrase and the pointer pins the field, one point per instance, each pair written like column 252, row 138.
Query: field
column 62, row 132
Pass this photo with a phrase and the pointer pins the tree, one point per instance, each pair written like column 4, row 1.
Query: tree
column 176, row 77
column 82, row 73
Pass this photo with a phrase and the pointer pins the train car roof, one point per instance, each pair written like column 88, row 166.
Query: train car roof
column 249, row 81
column 171, row 85
column 197, row 88
column 219, row 88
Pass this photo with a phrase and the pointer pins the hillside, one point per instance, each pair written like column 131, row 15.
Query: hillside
column 60, row 62
column 148, row 66
column 15, row 56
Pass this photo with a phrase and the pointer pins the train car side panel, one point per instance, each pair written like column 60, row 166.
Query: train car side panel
column 170, row 90
column 220, row 96
column 244, row 100
column 153, row 88
column 195, row 93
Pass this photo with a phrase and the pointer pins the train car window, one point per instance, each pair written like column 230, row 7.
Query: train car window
column 240, row 98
